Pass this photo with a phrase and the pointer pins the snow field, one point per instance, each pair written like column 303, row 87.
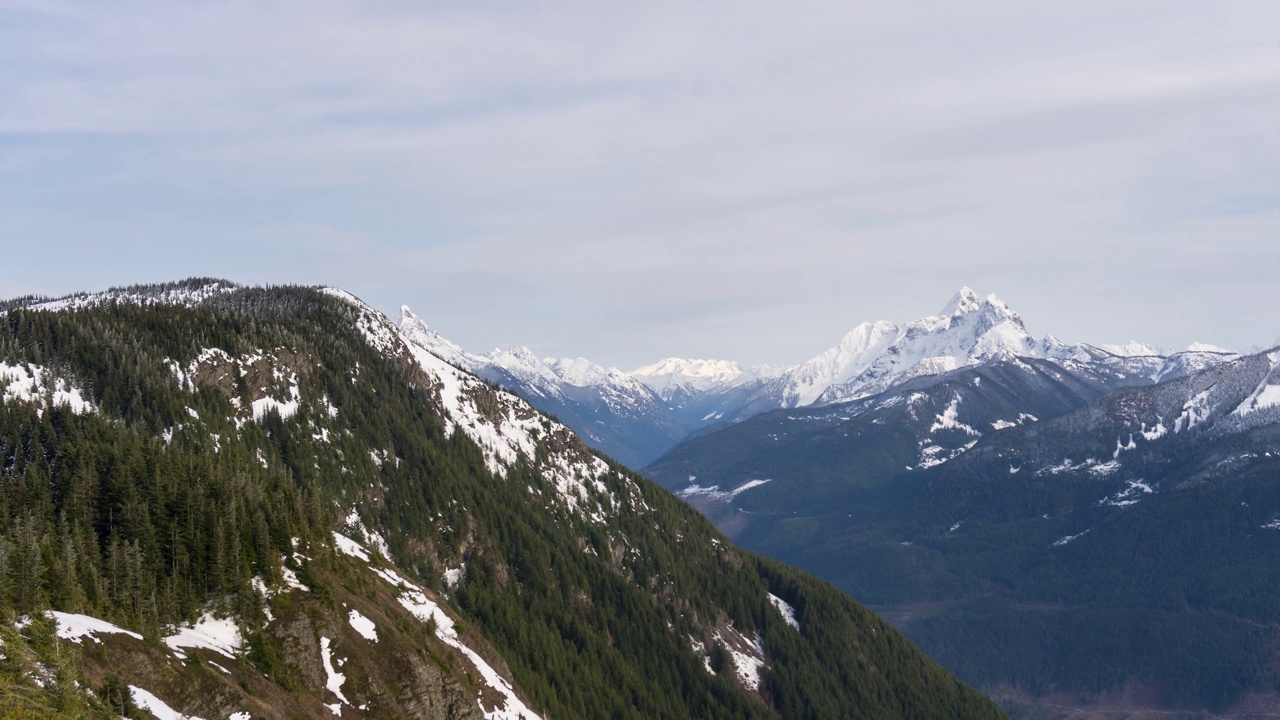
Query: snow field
column 220, row 635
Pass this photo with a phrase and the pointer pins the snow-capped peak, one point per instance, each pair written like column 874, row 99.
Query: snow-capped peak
column 1133, row 348
column 963, row 302
column 416, row 329
column 1207, row 348
column 720, row 370
column 876, row 355
column 670, row 375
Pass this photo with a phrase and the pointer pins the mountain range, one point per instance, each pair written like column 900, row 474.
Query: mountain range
column 1079, row 530
column 230, row 502
column 637, row 416
column 1076, row 530
column 1077, row 538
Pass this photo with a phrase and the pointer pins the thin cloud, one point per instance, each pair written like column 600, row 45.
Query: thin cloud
column 620, row 179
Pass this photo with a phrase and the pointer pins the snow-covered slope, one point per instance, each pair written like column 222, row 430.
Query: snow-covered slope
column 875, row 356
column 611, row 410
column 506, row 427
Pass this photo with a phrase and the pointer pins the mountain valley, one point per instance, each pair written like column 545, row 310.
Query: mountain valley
column 1083, row 527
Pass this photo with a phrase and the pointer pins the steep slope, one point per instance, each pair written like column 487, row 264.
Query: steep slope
column 217, row 443
column 1118, row 554
column 607, row 408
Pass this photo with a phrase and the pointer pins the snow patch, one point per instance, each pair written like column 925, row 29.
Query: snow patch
column 1154, row 433
column 714, row 493
column 74, row 627
column 1068, row 538
column 453, row 576
column 334, row 679
column 701, row 650
column 788, row 612
column 219, row 635
column 291, row 578
column 947, row 420
column 286, row 408
column 1129, row 496
column 1105, row 468
column 1194, row 411
column 347, row 546
column 1065, row 466
column 370, row 537
column 260, row 587
column 1121, row 447
column 931, row 455
column 156, row 706
column 746, row 664
column 36, row 385
column 363, row 625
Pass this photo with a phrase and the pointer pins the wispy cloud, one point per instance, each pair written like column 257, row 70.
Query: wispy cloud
column 616, row 178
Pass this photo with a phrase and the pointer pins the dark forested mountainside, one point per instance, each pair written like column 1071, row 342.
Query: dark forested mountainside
column 173, row 455
column 1041, row 537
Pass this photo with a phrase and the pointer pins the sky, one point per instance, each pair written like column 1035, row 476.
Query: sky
column 631, row 181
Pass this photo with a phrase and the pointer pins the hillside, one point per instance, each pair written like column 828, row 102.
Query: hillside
column 178, row 459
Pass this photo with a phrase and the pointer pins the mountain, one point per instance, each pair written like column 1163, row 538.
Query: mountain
column 639, row 415
column 241, row 502
column 609, row 409
column 1071, row 544
column 968, row 332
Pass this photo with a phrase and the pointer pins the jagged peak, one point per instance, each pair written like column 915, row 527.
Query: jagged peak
column 408, row 316
column 963, row 302
column 416, row 329
column 1000, row 306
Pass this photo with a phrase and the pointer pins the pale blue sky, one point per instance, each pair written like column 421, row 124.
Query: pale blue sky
column 631, row 181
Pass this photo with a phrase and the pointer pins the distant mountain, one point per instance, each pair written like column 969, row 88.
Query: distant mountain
column 608, row 408
column 233, row 502
column 639, row 415
column 1057, row 531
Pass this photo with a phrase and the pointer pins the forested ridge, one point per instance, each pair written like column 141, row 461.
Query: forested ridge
column 182, row 483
